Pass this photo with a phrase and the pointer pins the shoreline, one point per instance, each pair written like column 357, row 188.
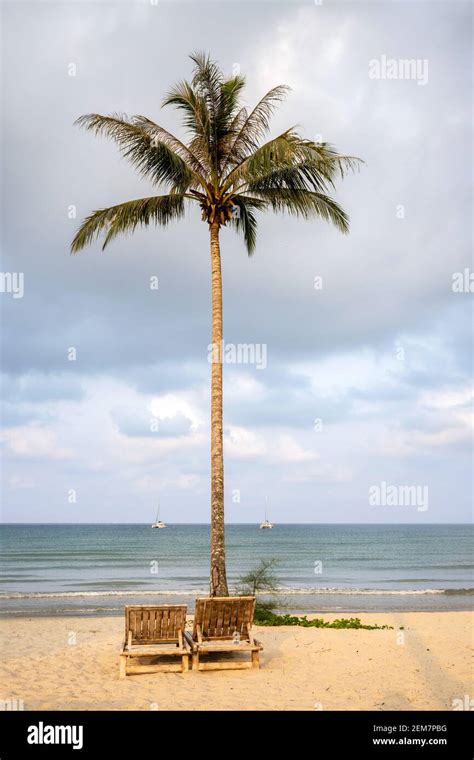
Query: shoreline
column 300, row 612
column 71, row 663
column 73, row 604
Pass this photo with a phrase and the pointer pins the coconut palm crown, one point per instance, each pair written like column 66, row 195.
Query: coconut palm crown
column 232, row 171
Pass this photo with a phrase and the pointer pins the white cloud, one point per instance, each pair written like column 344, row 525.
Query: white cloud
column 240, row 443
column 288, row 451
column 35, row 442
column 273, row 447
column 448, row 399
column 169, row 406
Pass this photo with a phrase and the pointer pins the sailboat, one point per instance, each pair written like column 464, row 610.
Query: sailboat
column 158, row 523
column 266, row 523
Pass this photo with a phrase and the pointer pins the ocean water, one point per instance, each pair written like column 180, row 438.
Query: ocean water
column 97, row 569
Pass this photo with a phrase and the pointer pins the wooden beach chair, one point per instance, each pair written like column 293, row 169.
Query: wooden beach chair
column 215, row 621
column 154, row 631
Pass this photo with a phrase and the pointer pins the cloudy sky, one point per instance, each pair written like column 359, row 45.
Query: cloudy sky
column 368, row 378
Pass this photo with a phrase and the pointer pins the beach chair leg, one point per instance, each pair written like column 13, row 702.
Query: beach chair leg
column 256, row 659
column 123, row 666
column 195, row 660
column 185, row 663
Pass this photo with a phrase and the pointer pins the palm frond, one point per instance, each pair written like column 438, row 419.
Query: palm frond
column 154, row 159
column 196, row 119
column 245, row 221
column 262, row 159
column 329, row 155
column 316, row 164
column 160, row 134
column 221, row 99
column 306, row 204
column 300, row 176
column 229, row 118
column 229, row 104
column 126, row 217
column 256, row 125
column 207, row 80
column 183, row 96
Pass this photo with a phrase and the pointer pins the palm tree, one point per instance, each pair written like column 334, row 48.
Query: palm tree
column 232, row 174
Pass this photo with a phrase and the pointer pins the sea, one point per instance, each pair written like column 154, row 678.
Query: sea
column 96, row 569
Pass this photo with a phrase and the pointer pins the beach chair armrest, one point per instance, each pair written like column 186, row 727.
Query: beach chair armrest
column 188, row 641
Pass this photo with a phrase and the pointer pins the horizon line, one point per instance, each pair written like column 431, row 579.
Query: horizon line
column 238, row 523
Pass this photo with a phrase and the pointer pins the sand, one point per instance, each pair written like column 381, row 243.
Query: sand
column 72, row 664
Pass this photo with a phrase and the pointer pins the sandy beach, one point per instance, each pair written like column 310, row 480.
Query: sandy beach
column 72, row 664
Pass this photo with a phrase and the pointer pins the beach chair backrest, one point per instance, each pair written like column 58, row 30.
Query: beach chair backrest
column 154, row 624
column 220, row 616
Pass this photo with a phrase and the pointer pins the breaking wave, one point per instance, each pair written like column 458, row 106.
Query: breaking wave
column 202, row 592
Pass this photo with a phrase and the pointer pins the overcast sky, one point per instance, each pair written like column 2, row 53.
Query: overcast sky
column 368, row 379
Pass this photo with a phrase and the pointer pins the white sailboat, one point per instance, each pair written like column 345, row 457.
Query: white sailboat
column 266, row 525
column 158, row 523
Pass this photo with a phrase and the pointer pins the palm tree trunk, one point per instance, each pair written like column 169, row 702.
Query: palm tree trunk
column 218, row 581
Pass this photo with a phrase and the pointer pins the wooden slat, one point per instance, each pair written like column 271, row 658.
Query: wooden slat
column 213, row 610
column 219, row 619
column 133, row 624
column 198, row 614
column 181, row 618
column 171, row 630
column 154, row 650
column 169, row 623
column 203, row 613
column 162, row 625
column 234, row 615
column 168, row 668
column 206, row 618
column 226, row 618
column 227, row 665
column 224, row 645
column 154, row 623
column 146, row 625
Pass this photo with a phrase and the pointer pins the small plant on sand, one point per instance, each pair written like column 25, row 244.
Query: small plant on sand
column 261, row 579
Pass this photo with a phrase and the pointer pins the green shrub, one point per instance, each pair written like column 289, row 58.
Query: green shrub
column 264, row 616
